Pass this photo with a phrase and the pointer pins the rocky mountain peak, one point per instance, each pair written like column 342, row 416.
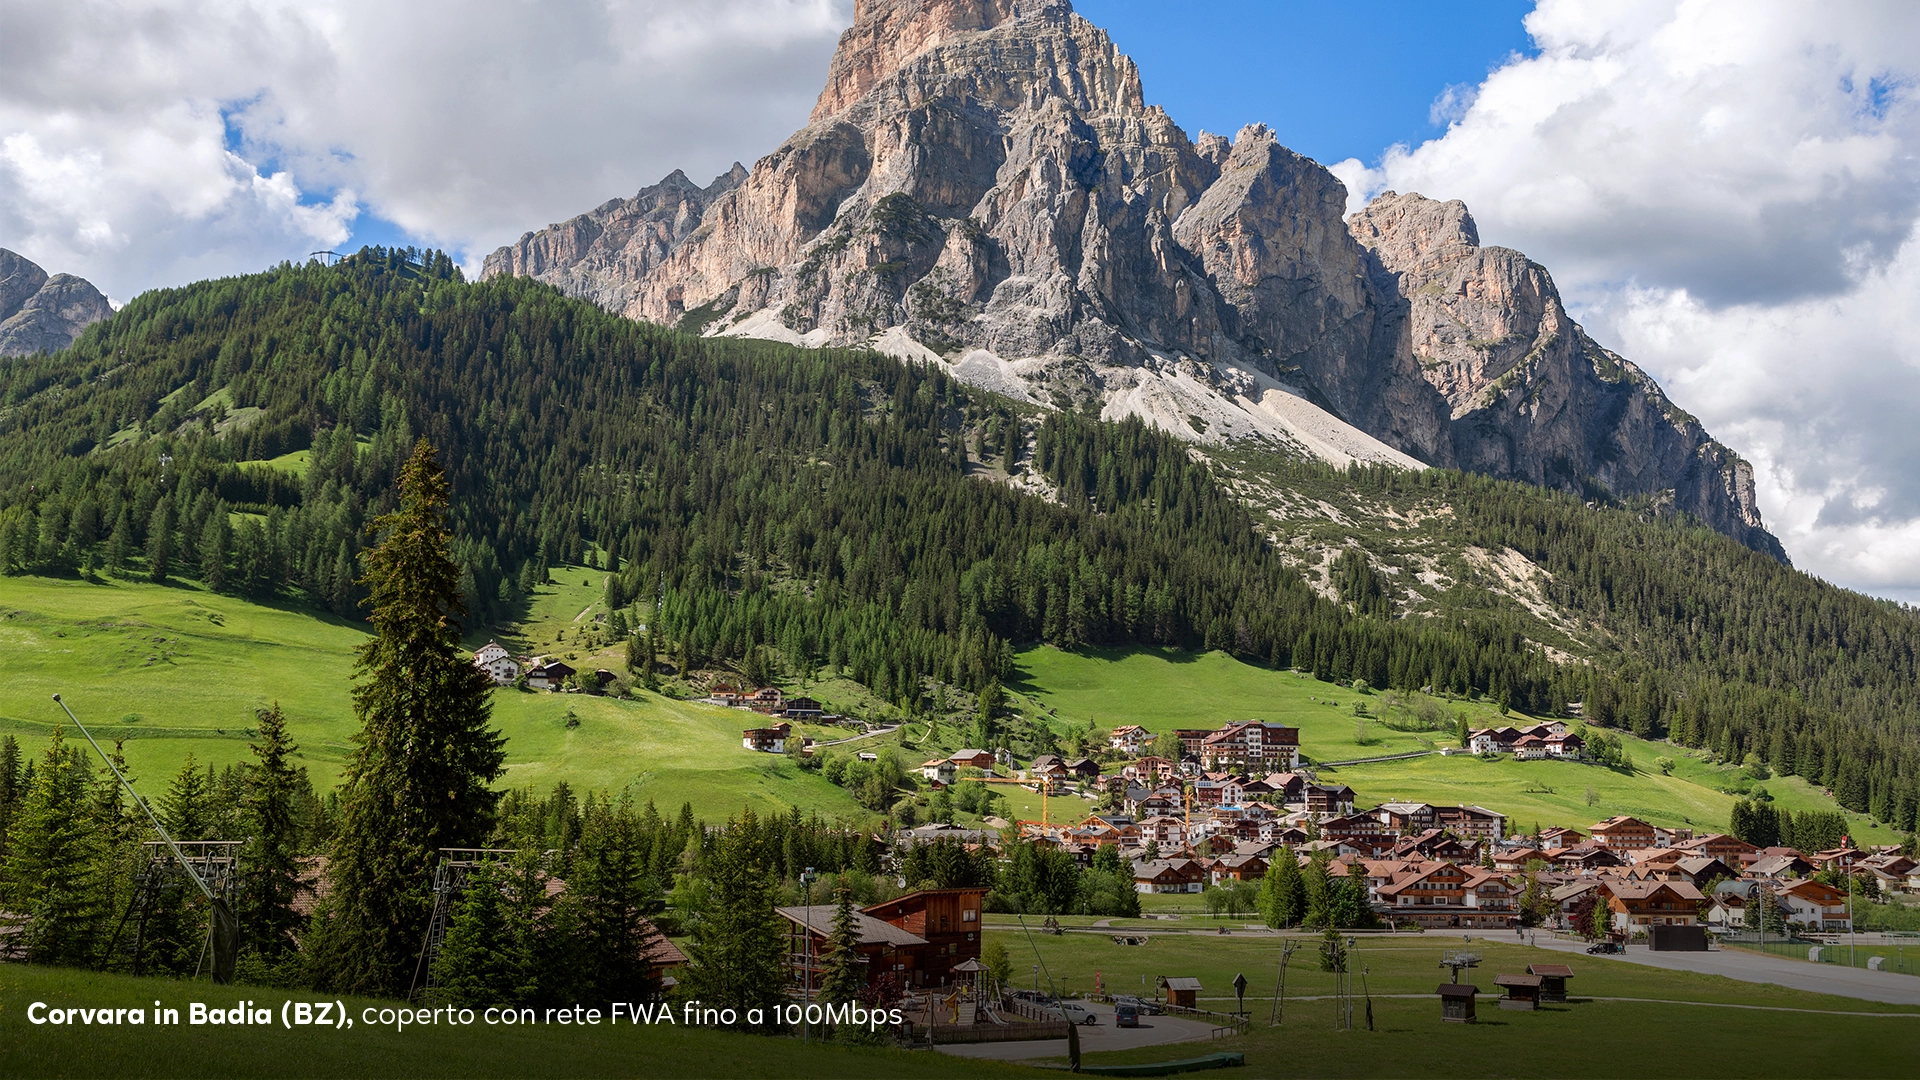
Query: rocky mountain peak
column 981, row 185
column 39, row 313
column 887, row 33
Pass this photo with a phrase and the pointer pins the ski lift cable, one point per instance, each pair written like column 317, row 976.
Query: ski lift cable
column 128, row 785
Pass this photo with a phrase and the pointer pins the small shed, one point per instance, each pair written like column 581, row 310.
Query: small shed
column 1456, row 1002
column 1181, row 991
column 1553, row 980
column 1522, row 991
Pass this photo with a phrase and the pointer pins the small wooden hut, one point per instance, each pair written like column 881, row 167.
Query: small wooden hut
column 1181, row 991
column 1553, row 984
column 1521, row 991
column 1456, row 1002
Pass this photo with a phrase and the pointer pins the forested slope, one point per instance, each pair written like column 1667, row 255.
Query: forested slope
column 838, row 507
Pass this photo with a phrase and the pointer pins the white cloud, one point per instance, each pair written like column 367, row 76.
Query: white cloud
column 150, row 142
column 1727, row 191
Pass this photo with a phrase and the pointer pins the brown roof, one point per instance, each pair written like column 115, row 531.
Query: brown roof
column 1552, row 971
column 819, row 919
column 1517, row 980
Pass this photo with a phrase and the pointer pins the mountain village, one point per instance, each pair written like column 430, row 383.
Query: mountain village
column 1239, row 797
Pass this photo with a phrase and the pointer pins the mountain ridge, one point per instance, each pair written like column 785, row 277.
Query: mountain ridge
column 39, row 313
column 983, row 185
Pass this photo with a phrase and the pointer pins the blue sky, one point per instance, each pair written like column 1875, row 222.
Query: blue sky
column 1334, row 80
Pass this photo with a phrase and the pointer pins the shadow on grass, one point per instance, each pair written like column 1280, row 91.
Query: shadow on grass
column 1111, row 654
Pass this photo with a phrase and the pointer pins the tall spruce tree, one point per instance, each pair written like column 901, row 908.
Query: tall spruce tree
column 270, row 881
column 1283, row 892
column 483, row 961
column 608, row 895
column 186, row 808
column 738, row 954
column 845, row 976
column 56, row 864
column 12, row 785
column 418, row 780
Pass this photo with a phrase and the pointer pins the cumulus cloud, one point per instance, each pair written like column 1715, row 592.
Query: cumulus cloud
column 151, row 142
column 1727, row 191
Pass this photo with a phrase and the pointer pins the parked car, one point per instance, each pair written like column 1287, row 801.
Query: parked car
column 1140, row 1005
column 1606, row 947
column 1126, row 1016
column 1076, row 1013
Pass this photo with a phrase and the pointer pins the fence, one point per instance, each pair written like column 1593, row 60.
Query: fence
column 1893, row 956
column 944, row 1034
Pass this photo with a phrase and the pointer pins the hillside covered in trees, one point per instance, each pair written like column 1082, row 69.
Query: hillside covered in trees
column 835, row 507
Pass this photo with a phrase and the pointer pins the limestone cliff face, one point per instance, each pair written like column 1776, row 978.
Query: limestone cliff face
column 981, row 184
column 1530, row 395
column 40, row 313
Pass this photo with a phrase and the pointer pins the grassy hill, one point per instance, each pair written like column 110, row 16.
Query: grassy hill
column 172, row 669
column 1161, row 690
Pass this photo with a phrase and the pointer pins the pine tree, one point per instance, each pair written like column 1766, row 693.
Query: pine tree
column 120, row 544
column 1318, row 910
column 738, row 954
column 185, row 809
column 418, row 778
column 271, row 872
column 216, row 543
column 609, row 893
column 480, row 961
column 55, row 869
column 160, row 541
column 845, row 976
column 1283, row 892
column 11, row 785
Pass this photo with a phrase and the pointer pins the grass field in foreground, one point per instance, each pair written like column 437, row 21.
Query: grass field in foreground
column 1166, row 689
column 540, row 1050
column 1654, row 1037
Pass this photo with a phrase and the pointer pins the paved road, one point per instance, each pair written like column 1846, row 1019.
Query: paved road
column 1153, row 1031
column 1884, row 986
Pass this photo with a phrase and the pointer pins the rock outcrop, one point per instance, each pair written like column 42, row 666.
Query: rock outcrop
column 40, row 313
column 1531, row 396
column 981, row 184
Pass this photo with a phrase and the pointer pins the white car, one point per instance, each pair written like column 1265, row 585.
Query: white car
column 1076, row 1013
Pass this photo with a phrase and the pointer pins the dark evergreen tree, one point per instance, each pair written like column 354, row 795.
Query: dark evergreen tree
column 419, row 777
column 186, row 808
column 608, row 896
column 270, row 881
column 483, row 961
column 845, row 975
column 738, row 953
column 56, row 862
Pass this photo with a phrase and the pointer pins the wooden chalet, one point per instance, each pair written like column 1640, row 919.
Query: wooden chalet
column 949, row 920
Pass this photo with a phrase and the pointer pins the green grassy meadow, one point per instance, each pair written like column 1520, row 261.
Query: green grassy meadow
column 543, row 1050
column 1673, row 1029
column 172, row 669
